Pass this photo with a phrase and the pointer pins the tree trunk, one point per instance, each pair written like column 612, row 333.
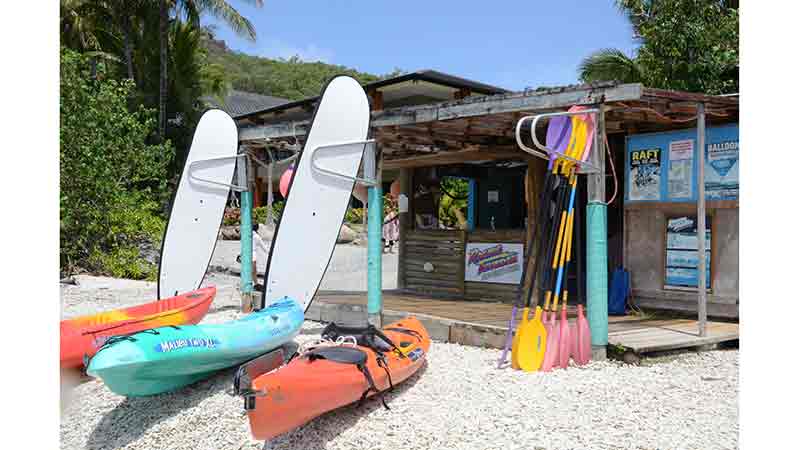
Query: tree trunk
column 162, row 85
column 126, row 36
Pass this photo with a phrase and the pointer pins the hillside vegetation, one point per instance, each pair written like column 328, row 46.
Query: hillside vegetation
column 291, row 78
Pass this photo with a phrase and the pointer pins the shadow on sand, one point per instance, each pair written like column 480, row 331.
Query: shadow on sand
column 317, row 433
column 131, row 419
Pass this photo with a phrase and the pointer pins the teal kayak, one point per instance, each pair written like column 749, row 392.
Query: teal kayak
column 167, row 358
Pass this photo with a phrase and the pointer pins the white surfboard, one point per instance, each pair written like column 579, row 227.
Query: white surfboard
column 317, row 201
column 198, row 205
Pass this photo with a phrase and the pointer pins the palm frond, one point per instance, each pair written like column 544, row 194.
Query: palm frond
column 222, row 10
column 609, row 64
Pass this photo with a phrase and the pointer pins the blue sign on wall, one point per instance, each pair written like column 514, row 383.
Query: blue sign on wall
column 662, row 167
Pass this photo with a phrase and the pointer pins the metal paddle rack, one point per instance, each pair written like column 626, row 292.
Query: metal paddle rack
column 240, row 167
column 370, row 165
column 542, row 151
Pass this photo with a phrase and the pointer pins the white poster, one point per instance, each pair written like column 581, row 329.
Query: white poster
column 645, row 175
column 493, row 262
column 681, row 156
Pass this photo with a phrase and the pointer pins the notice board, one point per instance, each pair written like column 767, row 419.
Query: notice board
column 663, row 167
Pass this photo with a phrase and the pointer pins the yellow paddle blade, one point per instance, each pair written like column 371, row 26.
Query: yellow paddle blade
column 532, row 343
column 515, row 342
column 577, row 141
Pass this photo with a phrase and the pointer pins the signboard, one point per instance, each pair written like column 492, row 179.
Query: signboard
column 681, row 162
column 722, row 169
column 645, row 174
column 677, row 153
column 681, row 260
column 493, row 262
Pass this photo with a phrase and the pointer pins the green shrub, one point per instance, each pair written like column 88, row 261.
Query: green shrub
column 354, row 215
column 232, row 216
column 111, row 178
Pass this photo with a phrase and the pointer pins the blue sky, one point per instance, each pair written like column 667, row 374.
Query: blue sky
column 510, row 43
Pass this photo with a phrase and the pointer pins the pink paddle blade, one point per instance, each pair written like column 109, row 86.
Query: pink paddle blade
column 584, row 338
column 563, row 341
column 551, row 350
column 573, row 341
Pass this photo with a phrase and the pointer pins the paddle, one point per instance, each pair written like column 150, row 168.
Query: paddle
column 564, row 339
column 531, row 337
column 557, row 246
column 528, row 348
column 528, row 251
column 583, row 336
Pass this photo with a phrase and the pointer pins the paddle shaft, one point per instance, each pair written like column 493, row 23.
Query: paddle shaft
column 567, row 245
column 528, row 251
column 551, row 255
column 579, row 253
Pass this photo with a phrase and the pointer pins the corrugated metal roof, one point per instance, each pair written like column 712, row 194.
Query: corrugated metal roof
column 240, row 103
column 431, row 76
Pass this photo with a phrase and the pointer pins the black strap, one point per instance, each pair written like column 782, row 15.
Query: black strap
column 372, row 388
column 381, row 359
column 414, row 333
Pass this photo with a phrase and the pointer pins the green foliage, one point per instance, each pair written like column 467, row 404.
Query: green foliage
column 233, row 216
column 354, row 215
column 610, row 64
column 453, row 202
column 291, row 78
column 689, row 45
column 111, row 179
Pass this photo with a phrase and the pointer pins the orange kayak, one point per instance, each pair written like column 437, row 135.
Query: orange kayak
column 319, row 381
column 82, row 336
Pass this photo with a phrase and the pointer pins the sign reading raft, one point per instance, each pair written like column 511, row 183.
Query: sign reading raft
column 493, row 263
column 662, row 167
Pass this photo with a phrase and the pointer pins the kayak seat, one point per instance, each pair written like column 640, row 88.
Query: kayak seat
column 367, row 336
column 358, row 358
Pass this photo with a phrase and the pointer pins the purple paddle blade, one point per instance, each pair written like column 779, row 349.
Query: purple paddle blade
column 559, row 130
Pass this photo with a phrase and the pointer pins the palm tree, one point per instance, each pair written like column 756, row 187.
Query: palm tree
column 610, row 64
column 192, row 9
column 82, row 28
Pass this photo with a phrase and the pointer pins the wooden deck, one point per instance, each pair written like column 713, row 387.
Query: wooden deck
column 632, row 332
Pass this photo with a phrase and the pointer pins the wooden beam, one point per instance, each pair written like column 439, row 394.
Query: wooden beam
column 403, row 225
column 483, row 106
column 462, row 93
column 453, row 157
column 377, row 100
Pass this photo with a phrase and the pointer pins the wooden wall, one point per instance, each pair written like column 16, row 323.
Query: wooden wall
column 444, row 249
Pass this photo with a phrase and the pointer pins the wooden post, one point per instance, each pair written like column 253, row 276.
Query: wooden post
column 372, row 169
column 462, row 266
column 246, row 281
column 403, row 218
column 597, row 246
column 270, row 198
column 701, row 220
column 532, row 189
column 258, row 188
column 377, row 100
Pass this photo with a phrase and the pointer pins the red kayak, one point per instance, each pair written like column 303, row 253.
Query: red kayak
column 82, row 336
column 329, row 377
